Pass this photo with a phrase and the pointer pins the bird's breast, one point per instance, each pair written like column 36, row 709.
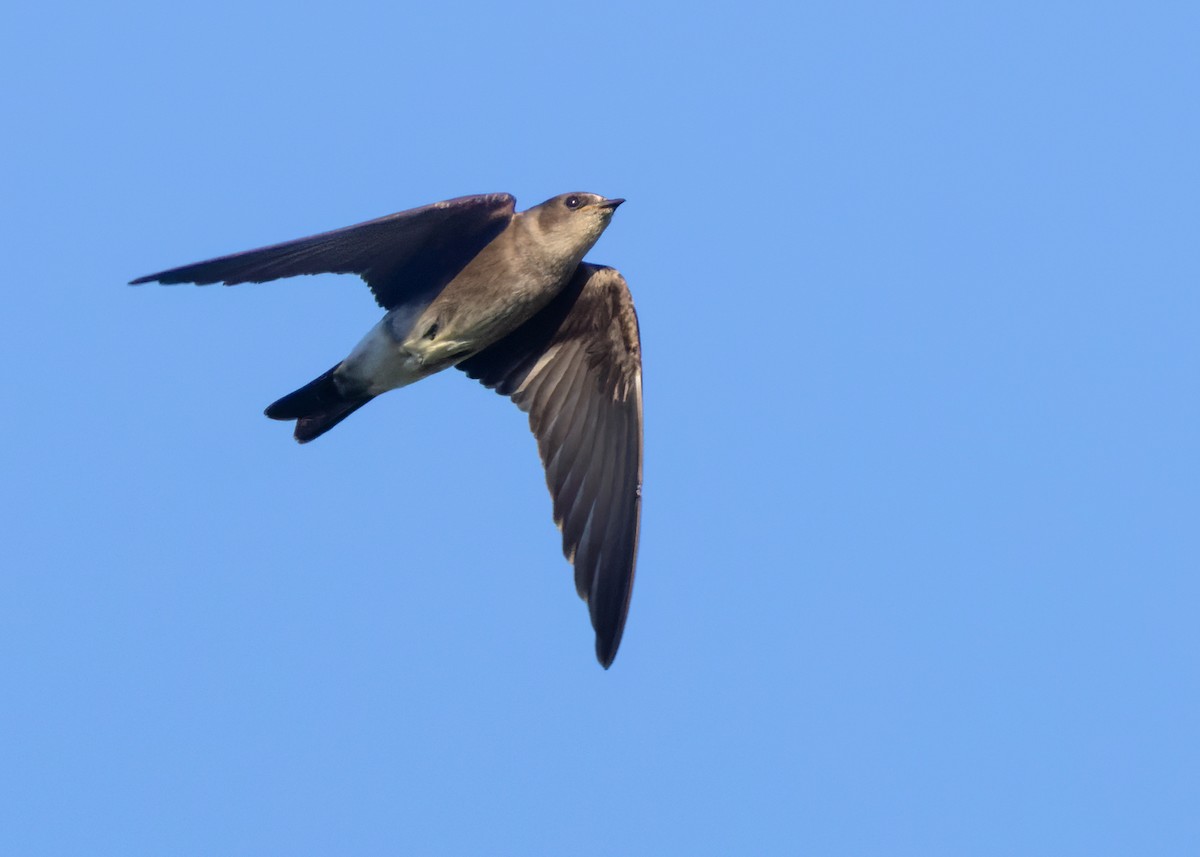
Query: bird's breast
column 489, row 299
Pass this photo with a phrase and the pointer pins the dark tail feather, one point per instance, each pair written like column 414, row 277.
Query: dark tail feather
column 316, row 407
column 308, row 428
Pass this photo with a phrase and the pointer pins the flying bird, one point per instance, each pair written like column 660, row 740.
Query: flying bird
column 506, row 297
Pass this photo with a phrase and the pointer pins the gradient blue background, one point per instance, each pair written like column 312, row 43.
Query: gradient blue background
column 918, row 286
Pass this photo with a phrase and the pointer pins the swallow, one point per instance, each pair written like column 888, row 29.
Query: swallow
column 506, row 297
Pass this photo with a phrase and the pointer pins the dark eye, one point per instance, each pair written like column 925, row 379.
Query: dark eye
column 573, row 202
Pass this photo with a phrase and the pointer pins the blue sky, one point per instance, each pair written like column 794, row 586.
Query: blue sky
column 918, row 288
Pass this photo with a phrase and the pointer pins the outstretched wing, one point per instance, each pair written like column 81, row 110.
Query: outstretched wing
column 401, row 256
column 576, row 368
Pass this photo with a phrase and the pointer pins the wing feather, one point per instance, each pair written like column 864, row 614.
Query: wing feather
column 405, row 256
column 576, row 369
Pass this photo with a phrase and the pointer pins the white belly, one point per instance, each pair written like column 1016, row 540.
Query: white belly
column 379, row 363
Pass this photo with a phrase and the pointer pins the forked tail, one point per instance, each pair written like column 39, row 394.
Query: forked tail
column 317, row 406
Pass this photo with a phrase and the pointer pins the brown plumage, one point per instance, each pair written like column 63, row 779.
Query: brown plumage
column 576, row 369
column 507, row 298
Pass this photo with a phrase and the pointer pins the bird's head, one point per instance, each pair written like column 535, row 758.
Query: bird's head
column 574, row 219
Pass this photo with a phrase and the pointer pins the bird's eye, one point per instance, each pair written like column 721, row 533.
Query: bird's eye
column 573, row 202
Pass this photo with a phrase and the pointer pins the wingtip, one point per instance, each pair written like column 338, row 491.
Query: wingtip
column 606, row 653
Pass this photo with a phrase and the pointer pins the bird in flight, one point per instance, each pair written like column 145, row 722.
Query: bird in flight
column 506, row 297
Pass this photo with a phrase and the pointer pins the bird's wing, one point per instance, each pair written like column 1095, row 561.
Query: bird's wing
column 576, row 368
column 402, row 256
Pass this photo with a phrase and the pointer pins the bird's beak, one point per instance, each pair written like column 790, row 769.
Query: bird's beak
column 610, row 203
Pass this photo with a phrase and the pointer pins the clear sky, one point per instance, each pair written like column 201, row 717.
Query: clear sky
column 920, row 302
